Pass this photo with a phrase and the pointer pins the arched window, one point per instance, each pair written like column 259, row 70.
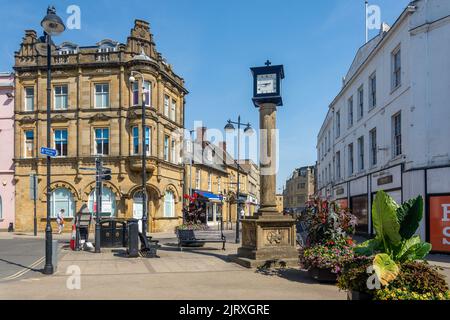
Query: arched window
column 169, row 204
column 108, row 202
column 62, row 198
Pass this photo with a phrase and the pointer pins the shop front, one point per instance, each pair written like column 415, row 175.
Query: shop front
column 213, row 206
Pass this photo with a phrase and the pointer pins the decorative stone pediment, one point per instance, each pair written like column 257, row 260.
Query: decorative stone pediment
column 100, row 117
column 132, row 115
column 27, row 119
column 60, row 118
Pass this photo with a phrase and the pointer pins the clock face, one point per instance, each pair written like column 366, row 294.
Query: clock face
column 266, row 83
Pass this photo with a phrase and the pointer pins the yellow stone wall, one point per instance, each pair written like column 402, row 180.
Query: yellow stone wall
column 80, row 72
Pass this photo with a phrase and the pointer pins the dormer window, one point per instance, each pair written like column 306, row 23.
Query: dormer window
column 106, row 46
column 67, row 48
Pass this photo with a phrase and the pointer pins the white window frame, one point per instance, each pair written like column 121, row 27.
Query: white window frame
column 351, row 159
column 372, row 91
column 338, row 165
column 26, row 156
column 373, row 147
column 135, row 140
column 166, row 105
column 166, row 148
column 70, row 205
column 198, row 179
column 209, row 181
column 350, row 112
column 396, row 68
column 173, row 110
column 135, row 94
column 361, row 155
column 360, row 102
column 338, row 124
column 397, row 148
column 61, row 96
column 27, row 97
column 169, row 204
column 148, row 93
column 102, row 139
column 60, row 140
column 105, row 95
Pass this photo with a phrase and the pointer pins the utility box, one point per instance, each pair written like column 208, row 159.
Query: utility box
column 133, row 238
column 55, row 250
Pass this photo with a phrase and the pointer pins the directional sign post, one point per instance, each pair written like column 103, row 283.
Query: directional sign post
column 49, row 152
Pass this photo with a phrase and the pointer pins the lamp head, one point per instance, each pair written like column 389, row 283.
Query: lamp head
column 132, row 79
column 229, row 127
column 249, row 130
column 52, row 24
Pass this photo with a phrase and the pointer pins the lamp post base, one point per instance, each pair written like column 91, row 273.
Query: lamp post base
column 268, row 240
column 48, row 269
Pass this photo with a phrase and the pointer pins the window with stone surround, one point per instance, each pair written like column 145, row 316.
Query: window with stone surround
column 60, row 140
column 102, row 141
column 62, row 198
column 166, row 105
column 169, row 204
column 61, row 97
column 29, row 144
column 102, row 95
column 29, row 99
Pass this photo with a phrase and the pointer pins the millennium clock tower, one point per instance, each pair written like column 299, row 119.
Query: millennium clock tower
column 268, row 238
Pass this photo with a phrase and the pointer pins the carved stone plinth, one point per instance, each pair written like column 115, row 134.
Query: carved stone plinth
column 268, row 241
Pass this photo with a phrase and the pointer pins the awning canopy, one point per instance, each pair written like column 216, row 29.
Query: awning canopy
column 209, row 196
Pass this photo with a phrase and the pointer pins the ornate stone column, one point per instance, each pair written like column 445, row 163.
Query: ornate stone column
column 268, row 238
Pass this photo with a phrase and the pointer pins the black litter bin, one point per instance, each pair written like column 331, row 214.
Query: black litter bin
column 133, row 238
column 113, row 233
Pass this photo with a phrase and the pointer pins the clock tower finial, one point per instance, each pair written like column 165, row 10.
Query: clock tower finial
column 268, row 63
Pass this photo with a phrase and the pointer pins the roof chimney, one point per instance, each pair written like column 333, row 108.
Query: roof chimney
column 201, row 134
column 223, row 147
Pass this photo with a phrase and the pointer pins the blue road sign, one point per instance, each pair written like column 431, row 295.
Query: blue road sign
column 48, row 152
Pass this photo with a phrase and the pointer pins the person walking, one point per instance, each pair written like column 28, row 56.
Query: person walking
column 60, row 221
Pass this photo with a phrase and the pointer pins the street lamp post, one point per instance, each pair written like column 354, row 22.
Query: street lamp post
column 144, row 153
column 249, row 131
column 53, row 26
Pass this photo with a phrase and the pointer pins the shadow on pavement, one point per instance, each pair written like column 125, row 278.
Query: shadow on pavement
column 21, row 266
column 206, row 251
column 290, row 274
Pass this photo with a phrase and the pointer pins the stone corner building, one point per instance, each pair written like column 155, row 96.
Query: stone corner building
column 96, row 113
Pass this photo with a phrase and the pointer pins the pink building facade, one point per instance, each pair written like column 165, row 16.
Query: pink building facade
column 7, row 190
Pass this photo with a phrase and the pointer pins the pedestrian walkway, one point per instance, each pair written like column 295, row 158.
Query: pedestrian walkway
column 204, row 273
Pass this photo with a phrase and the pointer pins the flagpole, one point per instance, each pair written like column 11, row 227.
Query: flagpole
column 367, row 29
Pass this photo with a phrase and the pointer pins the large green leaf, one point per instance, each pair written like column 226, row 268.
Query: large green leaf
column 385, row 268
column 404, row 246
column 368, row 248
column 409, row 216
column 417, row 251
column 385, row 221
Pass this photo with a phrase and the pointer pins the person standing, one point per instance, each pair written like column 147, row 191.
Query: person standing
column 60, row 221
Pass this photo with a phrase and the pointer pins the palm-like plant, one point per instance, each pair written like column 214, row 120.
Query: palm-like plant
column 395, row 240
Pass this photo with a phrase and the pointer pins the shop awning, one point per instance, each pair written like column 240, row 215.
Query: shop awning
column 210, row 196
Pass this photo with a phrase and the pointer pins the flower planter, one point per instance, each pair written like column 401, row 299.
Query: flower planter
column 323, row 275
column 356, row 295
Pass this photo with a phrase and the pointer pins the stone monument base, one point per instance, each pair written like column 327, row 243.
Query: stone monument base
column 268, row 240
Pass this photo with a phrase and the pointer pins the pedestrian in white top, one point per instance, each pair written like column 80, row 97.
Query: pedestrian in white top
column 60, row 220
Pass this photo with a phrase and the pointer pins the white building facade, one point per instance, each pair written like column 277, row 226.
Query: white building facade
column 390, row 124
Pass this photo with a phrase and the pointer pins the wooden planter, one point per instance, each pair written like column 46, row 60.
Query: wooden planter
column 356, row 295
column 323, row 275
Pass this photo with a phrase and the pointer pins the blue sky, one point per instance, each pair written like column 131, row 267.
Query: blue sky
column 213, row 43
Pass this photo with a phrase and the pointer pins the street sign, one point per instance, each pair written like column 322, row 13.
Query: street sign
column 48, row 152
